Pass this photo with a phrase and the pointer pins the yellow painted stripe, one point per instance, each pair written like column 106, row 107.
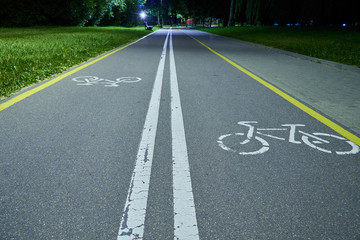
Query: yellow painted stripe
column 292, row 100
column 26, row 94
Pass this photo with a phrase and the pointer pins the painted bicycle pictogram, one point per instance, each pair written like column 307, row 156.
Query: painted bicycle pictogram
column 93, row 80
column 324, row 142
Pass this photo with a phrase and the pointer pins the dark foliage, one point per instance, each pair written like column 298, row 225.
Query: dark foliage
column 18, row 13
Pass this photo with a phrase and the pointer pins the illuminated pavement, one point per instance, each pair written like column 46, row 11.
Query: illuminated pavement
column 166, row 138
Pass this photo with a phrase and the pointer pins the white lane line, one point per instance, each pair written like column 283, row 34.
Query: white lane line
column 185, row 224
column 133, row 219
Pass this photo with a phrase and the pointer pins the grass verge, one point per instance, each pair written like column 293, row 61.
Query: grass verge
column 28, row 55
column 334, row 44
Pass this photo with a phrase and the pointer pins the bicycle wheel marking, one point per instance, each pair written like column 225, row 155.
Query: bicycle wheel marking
column 263, row 149
column 239, row 142
column 223, row 146
column 93, row 80
column 354, row 150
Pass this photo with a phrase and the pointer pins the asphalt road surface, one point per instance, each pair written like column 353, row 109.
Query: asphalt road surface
column 170, row 138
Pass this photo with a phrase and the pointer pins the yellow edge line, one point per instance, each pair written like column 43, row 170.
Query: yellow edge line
column 24, row 95
column 292, row 100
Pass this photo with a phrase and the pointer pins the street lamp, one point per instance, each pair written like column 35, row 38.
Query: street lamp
column 142, row 15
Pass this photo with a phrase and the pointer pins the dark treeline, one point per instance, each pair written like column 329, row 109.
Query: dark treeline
column 23, row 13
column 18, row 13
column 282, row 12
column 304, row 12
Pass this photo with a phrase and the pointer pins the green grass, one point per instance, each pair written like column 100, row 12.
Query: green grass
column 338, row 45
column 29, row 55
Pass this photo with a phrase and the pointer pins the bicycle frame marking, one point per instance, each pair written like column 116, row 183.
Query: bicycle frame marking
column 312, row 140
column 93, row 80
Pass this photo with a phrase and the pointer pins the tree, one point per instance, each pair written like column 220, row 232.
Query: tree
column 230, row 23
column 124, row 12
column 56, row 12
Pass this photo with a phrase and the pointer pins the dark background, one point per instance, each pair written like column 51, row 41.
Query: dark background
column 23, row 13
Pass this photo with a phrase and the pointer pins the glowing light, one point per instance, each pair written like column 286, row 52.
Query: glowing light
column 142, row 15
column 344, row 25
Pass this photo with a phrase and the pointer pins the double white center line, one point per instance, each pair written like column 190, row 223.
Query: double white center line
column 133, row 219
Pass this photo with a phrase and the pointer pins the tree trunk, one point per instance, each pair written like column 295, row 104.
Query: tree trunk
column 158, row 18
column 231, row 14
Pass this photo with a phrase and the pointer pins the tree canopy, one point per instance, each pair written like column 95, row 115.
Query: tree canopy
column 125, row 12
column 66, row 12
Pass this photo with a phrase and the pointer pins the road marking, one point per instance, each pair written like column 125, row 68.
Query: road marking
column 93, row 80
column 185, row 223
column 133, row 219
column 307, row 138
column 26, row 94
column 290, row 99
column 293, row 131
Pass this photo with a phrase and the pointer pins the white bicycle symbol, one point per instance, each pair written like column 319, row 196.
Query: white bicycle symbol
column 92, row 80
column 231, row 143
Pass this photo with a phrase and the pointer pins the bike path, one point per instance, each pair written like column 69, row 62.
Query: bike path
column 290, row 191
column 329, row 88
column 70, row 152
column 67, row 152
